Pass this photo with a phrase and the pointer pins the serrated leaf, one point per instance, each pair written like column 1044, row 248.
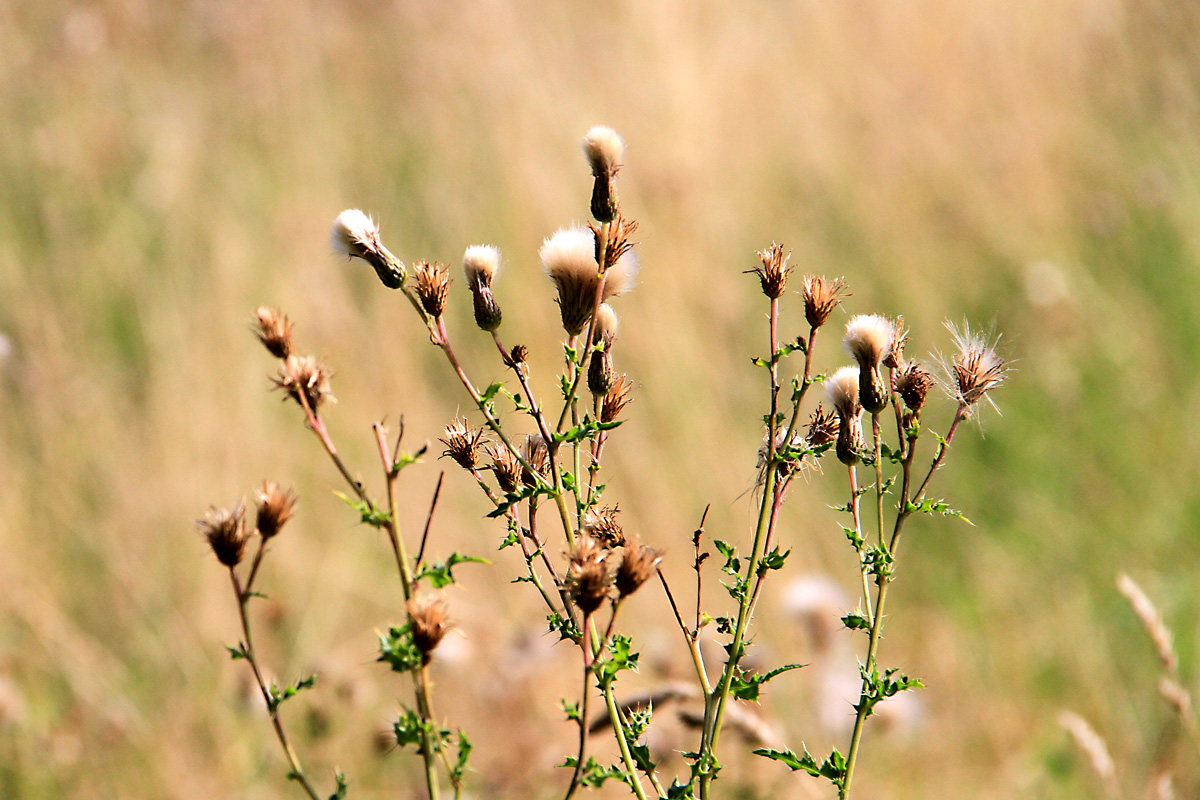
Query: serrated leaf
column 856, row 622
column 368, row 513
column 441, row 573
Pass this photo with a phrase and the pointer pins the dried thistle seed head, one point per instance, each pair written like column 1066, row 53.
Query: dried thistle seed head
column 601, row 524
column 868, row 340
column 975, row 368
column 463, row 444
column 569, row 258
column 481, row 262
column 616, row 398
column 913, row 385
column 822, row 427
column 430, row 623
column 519, row 355
column 225, row 530
column 619, row 241
column 637, row 566
column 604, row 150
column 274, row 330
column 305, row 380
column 505, row 467
column 841, row 391
column 275, row 506
column 821, row 296
column 432, row 284
column 588, row 575
column 356, row 235
column 773, row 274
column 894, row 357
column 537, row 455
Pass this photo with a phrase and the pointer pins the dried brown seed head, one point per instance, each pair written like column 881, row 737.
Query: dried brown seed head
column 537, row 455
column 975, row 369
column 868, row 340
column 505, row 467
column 894, row 358
column 588, row 575
column 356, row 235
column 616, row 399
column 841, row 391
column 432, row 284
column 463, row 444
column 569, row 258
column 604, row 150
column 519, row 354
column 225, row 530
column 430, row 623
column 620, row 242
column 274, row 330
column 637, row 566
column 822, row 427
column 601, row 524
column 773, row 274
column 821, row 296
column 275, row 506
column 305, row 380
column 913, row 385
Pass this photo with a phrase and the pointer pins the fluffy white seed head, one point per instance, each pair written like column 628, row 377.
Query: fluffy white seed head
column 569, row 254
column 481, row 262
column 604, row 149
column 868, row 339
column 354, row 234
column 606, row 323
column 841, row 391
column 974, row 368
column 621, row 276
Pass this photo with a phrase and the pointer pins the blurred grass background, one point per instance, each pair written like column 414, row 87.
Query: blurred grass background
column 166, row 167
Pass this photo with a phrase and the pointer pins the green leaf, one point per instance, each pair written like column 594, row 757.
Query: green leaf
column 594, row 774
column 832, row 768
column 772, row 560
column 489, row 394
column 512, row 538
column 441, row 573
column 368, row 512
column 563, row 627
column 278, row 695
column 571, row 710
column 396, row 648
column 930, row 506
column 409, row 728
column 620, row 657
column 236, row 653
column 339, row 779
column 408, row 459
column 856, row 622
column 464, row 753
column 746, row 687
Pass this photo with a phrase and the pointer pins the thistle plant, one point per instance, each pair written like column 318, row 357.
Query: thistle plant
column 540, row 465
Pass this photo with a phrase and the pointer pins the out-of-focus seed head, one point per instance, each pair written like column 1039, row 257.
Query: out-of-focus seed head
column 432, row 284
column 773, row 274
column 505, row 466
column 637, row 566
column 537, row 454
column 275, row 506
column 463, row 445
column 822, row 427
column 821, row 296
column 616, row 399
column 974, row 368
column 569, row 258
column 621, row 276
column 305, row 380
column 868, row 340
column 913, row 385
column 225, row 530
column 274, row 330
column 894, row 357
column 480, row 265
column 606, row 326
column 356, row 235
column 430, row 623
column 604, row 150
column 601, row 524
column 588, row 576
column 841, row 392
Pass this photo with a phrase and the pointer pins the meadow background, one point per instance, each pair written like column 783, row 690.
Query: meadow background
column 165, row 167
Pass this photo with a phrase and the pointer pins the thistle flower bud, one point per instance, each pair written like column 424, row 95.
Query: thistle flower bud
column 356, row 235
column 601, row 524
column 505, row 467
column 868, row 340
column 975, row 368
column 305, row 380
column 841, row 392
column 616, row 399
column 773, row 274
column 432, row 285
column 463, row 445
column 588, row 575
column 569, row 258
column 537, row 455
column 430, row 624
column 274, row 330
column 275, row 506
column 480, row 265
column 604, row 150
column 637, row 566
column 225, row 530
column 913, row 385
column 821, row 297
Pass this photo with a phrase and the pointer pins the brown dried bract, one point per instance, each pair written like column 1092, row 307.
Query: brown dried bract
column 588, row 575
column 821, row 296
column 275, row 506
column 773, row 274
column 430, row 623
column 463, row 444
column 305, row 380
column 274, row 330
column 431, row 281
column 638, row 566
column 225, row 530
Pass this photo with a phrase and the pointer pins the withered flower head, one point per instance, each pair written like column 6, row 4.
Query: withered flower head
column 225, row 530
column 975, row 369
column 606, row 326
column 841, row 391
column 432, row 284
column 868, row 340
column 822, row 427
column 354, row 234
column 604, row 150
column 429, row 623
column 913, row 385
column 537, row 455
column 463, row 444
column 519, row 356
column 274, row 330
column 773, row 274
column 588, row 575
column 637, row 566
column 505, row 467
column 616, row 399
column 275, row 506
column 894, row 358
column 305, row 380
column 821, row 296
column 480, row 264
column 601, row 524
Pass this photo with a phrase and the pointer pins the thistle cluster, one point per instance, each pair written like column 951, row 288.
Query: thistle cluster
column 226, row 530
